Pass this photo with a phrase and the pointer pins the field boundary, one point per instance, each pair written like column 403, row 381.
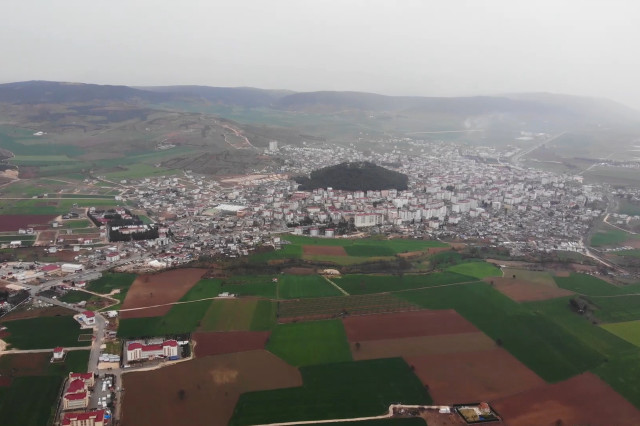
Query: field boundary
column 343, row 291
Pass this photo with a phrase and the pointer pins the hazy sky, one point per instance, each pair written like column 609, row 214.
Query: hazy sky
column 404, row 47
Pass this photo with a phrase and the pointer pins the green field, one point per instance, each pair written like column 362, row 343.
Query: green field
column 395, row 245
column 75, row 296
column 368, row 284
column 366, row 250
column 299, row 286
column 77, row 224
column 534, row 339
column 111, row 281
column 630, row 253
column 310, row 343
column 251, row 285
column 44, row 332
column 617, row 309
column 51, row 206
column 288, row 251
column 335, row 391
column 629, row 331
column 29, row 401
column 23, row 238
column 592, row 286
column 264, row 316
column 478, row 270
column 609, row 237
column 229, row 315
column 627, row 207
column 622, row 373
column 183, row 318
column 203, row 289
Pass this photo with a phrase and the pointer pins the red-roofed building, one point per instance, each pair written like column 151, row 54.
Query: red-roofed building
column 90, row 418
column 76, row 400
column 89, row 317
column 137, row 351
column 50, row 268
column 85, row 377
column 58, row 353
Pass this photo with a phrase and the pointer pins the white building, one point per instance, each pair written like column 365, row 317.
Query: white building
column 137, row 351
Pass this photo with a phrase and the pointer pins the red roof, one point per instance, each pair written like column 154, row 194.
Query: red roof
column 97, row 416
column 82, row 376
column 48, row 268
column 148, row 348
column 89, row 314
column 58, row 349
column 76, row 386
column 134, row 345
column 171, row 343
column 75, row 396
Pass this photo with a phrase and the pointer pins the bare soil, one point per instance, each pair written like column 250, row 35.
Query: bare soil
column 323, row 251
column 299, row 271
column 463, row 377
column 52, row 311
column 13, row 222
column 216, row 343
column 526, row 291
column 159, row 289
column 211, row 387
column 581, row 400
column 416, row 346
column 406, row 324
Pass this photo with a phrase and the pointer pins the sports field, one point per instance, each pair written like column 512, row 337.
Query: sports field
column 310, row 343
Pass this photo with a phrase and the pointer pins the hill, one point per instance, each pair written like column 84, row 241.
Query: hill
column 358, row 176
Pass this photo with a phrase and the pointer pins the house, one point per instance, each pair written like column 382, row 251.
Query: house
column 75, row 400
column 85, row 377
column 90, row 418
column 137, row 351
column 58, row 354
column 113, row 257
column 88, row 317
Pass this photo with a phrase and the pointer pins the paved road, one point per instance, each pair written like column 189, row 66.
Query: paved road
column 37, row 351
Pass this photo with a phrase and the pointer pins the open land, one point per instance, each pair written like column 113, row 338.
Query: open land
column 216, row 343
column 521, row 290
column 10, row 222
column 584, row 399
column 211, row 388
column 323, row 251
column 158, row 289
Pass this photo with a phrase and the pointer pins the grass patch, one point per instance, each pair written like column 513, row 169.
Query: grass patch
column 77, row 224
column 592, row 286
column 368, row 284
column 609, row 238
column 299, row 286
column 203, row 289
column 630, row 253
column 288, row 251
column 29, row 401
column 309, row 343
column 335, row 391
column 251, row 285
column 366, row 250
column 478, row 270
column 617, row 309
column 264, row 316
column 75, row 296
column 534, row 339
column 622, row 373
column 44, row 332
column 229, row 315
column 111, row 281
column 628, row 330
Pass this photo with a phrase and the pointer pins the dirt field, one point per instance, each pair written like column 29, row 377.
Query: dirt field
column 430, row 251
column 526, row 291
column 416, row 346
column 45, row 238
column 211, row 388
column 473, row 376
column 216, row 343
column 323, row 251
column 26, row 364
column 299, row 271
column 53, row 311
column 13, row 222
column 157, row 289
column 581, row 400
column 406, row 324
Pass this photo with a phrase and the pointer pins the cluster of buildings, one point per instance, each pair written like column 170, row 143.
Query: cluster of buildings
column 76, row 396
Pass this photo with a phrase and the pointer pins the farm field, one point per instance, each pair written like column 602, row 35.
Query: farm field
column 397, row 245
column 521, row 290
column 630, row 253
column 52, row 206
column 335, row 391
column 13, row 222
column 478, row 270
column 537, row 277
column 30, row 312
column 44, row 332
column 592, row 286
column 309, row 343
column 111, row 281
column 203, row 289
column 217, row 343
column 334, row 307
column 264, row 316
column 229, row 315
column 535, row 340
column 623, row 374
column 629, row 331
column 158, row 289
column 211, row 386
column 584, row 399
column 609, row 237
column 406, row 324
column 182, row 318
column 19, row 404
column 37, row 364
column 408, row 347
column 251, row 285
column 298, row 286
column 367, row 284
column 617, row 309
column 473, row 376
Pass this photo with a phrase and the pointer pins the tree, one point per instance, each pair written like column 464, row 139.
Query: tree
column 182, row 394
column 499, row 341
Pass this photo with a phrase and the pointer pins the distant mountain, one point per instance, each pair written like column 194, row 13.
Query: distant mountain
column 248, row 97
column 356, row 176
column 51, row 92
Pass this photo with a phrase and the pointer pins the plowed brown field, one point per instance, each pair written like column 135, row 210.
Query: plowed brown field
column 581, row 400
column 210, row 388
column 323, row 251
column 158, row 289
column 216, row 343
column 526, row 291
column 473, row 376
column 406, row 324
